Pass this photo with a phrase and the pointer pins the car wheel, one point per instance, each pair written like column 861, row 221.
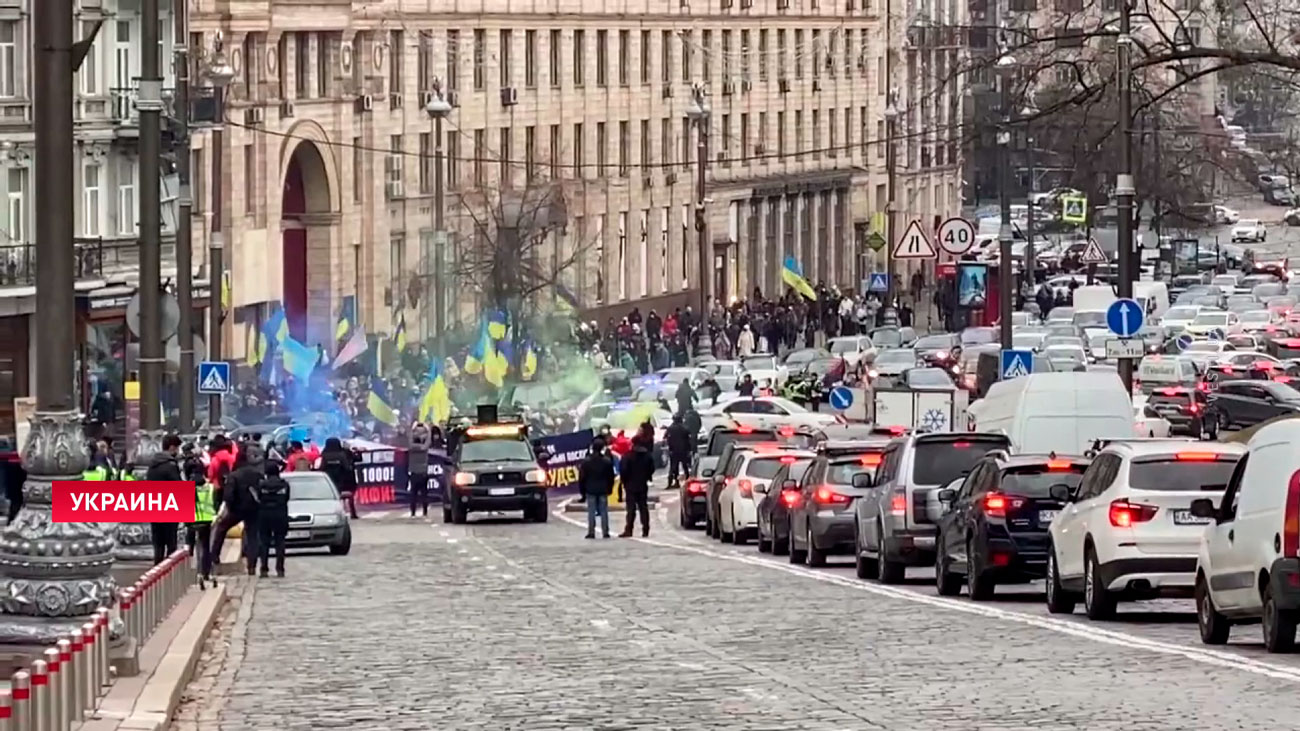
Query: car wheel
column 979, row 585
column 737, row 536
column 1059, row 599
column 1098, row 602
column 797, row 555
column 780, row 546
column 686, row 520
column 459, row 513
column 816, row 556
column 342, row 547
column 946, row 582
column 541, row 513
column 446, row 513
column 1222, row 422
column 1279, row 625
column 764, row 545
column 1215, row 627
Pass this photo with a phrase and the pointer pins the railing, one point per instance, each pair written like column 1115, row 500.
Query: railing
column 18, row 262
column 63, row 687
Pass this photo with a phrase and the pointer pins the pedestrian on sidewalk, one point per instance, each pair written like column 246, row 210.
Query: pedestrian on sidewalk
column 199, row 533
column 678, row 440
column 336, row 462
column 417, row 467
column 164, row 468
column 272, row 518
column 239, row 504
column 596, row 483
column 636, row 470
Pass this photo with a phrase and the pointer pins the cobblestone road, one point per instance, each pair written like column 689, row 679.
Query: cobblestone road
column 504, row 626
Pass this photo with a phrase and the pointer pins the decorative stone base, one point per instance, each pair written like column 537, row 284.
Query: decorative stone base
column 22, row 630
column 134, row 542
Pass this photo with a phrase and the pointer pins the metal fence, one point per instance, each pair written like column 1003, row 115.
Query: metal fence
column 18, row 262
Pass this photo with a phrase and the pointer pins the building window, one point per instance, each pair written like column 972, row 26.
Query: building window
column 88, row 75
column 687, row 38
column 530, row 153
column 480, row 151
column 505, row 44
column 762, row 54
column 745, row 50
column 397, row 266
column 799, row 53
column 198, row 182
column 780, row 54
column 127, row 210
column 686, row 140
column 8, row 59
column 880, row 138
column 622, row 255
column 816, row 53
column 530, row 59
column 452, row 158
column 744, row 136
column 322, row 65
column 798, row 131
column 579, row 143
column 624, row 53
column 250, row 179
column 645, row 57
column 848, row 131
column 833, row 128
column 579, row 58
column 602, row 58
column 602, row 150
column 423, row 61
column 426, row 162
column 301, row 63
column 453, row 61
column 848, row 53
column 780, row 134
column 504, row 138
column 726, row 56
column 707, row 52
column 666, row 141
column 554, row 151
column 600, row 258
column 553, row 52
column 645, row 146
column 761, row 146
column 665, row 221
column 480, row 59
column 17, row 198
column 686, row 259
column 726, row 140
column 90, row 201
column 666, row 56
column 643, row 277
column 124, row 50
column 358, row 172
column 623, row 152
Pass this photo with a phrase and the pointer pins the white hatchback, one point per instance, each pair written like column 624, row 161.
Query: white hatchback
column 1128, row 533
column 738, row 501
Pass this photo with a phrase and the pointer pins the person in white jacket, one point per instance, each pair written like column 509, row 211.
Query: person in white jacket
column 745, row 342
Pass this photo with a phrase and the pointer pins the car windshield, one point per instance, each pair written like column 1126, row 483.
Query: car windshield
column 887, row 337
column 722, row 438
column 1098, row 339
column 978, row 336
column 1061, row 313
column 719, row 367
column 803, row 356
column 1248, row 223
column 1203, row 346
column 1089, row 319
column 1223, row 280
column 495, row 450
column 1211, row 318
column 1026, row 340
column 1256, row 316
column 764, row 468
column 759, row 363
column 941, row 462
column 934, row 342
column 823, row 366
column 928, row 377
column 310, row 486
column 1181, row 313
column 841, row 472
column 1037, row 481
column 840, row 347
column 896, row 357
column 1283, row 392
column 1171, row 473
column 1070, row 340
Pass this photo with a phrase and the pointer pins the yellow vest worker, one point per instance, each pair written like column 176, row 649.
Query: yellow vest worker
column 98, row 474
column 204, row 512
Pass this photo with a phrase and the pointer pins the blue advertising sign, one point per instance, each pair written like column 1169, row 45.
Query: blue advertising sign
column 563, row 453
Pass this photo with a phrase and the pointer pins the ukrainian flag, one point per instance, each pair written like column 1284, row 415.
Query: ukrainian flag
column 496, row 366
column 399, row 334
column 792, row 275
column 256, row 347
column 435, row 405
column 479, row 350
column 298, row 359
column 528, row 368
column 377, row 403
column 225, row 294
column 498, row 323
column 347, row 314
column 277, row 326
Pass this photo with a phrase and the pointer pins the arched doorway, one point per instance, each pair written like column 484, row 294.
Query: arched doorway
column 305, row 219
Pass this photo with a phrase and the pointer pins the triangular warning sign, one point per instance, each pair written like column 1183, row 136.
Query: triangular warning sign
column 213, row 381
column 914, row 244
column 1093, row 254
column 1016, row 368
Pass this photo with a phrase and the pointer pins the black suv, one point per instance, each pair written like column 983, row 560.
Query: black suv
column 1247, row 403
column 1184, row 409
column 495, row 470
column 994, row 528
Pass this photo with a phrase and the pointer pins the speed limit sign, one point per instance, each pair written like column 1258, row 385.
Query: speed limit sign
column 956, row 236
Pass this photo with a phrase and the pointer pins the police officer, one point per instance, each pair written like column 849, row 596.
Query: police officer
column 679, row 450
column 164, row 468
column 199, row 534
column 272, row 518
column 237, row 496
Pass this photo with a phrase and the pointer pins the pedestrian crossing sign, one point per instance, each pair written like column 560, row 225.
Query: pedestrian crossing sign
column 214, row 377
column 1017, row 363
column 1074, row 208
column 878, row 282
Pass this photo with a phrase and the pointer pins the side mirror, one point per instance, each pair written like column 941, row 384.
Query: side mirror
column 707, row 472
column 789, row 485
column 1204, row 508
column 760, row 488
column 863, row 480
column 947, row 495
column 1062, row 492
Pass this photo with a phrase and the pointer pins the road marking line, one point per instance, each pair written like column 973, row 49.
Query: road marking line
column 452, row 540
column 600, row 624
column 1109, row 637
column 443, row 533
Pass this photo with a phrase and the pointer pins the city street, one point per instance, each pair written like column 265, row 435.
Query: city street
column 505, row 625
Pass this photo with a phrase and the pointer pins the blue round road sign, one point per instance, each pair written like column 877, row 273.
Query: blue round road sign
column 1183, row 341
column 841, row 398
column 1124, row 317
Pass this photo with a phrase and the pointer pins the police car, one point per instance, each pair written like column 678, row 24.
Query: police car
column 495, row 469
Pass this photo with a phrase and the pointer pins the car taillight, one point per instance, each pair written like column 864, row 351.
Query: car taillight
column 1123, row 514
column 1196, row 456
column 786, row 431
column 872, row 460
column 996, row 504
column 1202, row 386
column 1193, row 408
column 898, row 504
column 791, row 498
column 744, row 429
column 788, row 459
column 695, row 487
column 1291, row 518
column 746, row 488
column 827, row 496
column 1058, row 465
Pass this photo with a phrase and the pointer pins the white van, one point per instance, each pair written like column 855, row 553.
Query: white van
column 1154, row 298
column 1164, row 371
column 1248, row 568
column 1056, row 412
column 1093, row 297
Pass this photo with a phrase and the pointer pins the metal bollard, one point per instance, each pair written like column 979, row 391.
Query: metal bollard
column 89, row 681
column 54, row 667
column 77, row 678
column 21, row 687
column 126, row 605
column 40, row 697
column 6, row 710
column 67, row 683
column 105, row 619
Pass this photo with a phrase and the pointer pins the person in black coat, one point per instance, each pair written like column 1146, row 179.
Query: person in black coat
column 240, row 504
column 272, row 496
column 596, row 482
column 678, row 440
column 164, row 468
column 636, row 469
column 336, row 462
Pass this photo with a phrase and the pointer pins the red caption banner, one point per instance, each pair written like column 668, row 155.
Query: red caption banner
column 77, row 501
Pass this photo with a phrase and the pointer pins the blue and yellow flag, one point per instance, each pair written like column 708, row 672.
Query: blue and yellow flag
column 528, row 366
column 497, row 325
column 792, row 275
column 347, row 317
column 377, row 403
column 399, row 333
column 276, row 327
column 478, row 351
column 256, row 348
column 299, row 360
column 225, row 294
column 435, row 404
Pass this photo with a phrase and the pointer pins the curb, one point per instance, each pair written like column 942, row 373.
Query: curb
column 577, row 507
column 157, row 702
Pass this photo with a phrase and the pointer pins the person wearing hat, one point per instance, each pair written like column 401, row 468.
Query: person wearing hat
column 199, row 534
column 678, row 440
column 596, row 483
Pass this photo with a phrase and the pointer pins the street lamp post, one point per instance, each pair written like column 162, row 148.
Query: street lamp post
column 1006, row 266
column 1031, row 256
column 891, row 208
column 438, row 109
column 699, row 112
column 1124, row 186
column 219, row 74
column 184, row 235
column 149, row 103
column 53, row 577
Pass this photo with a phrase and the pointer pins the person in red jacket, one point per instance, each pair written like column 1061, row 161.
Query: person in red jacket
column 221, row 460
column 622, row 444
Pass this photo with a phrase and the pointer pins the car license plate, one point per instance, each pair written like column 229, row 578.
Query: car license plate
column 1185, row 517
column 501, row 491
column 295, row 535
column 1046, row 516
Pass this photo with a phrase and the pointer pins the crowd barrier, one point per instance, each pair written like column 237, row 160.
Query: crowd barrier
column 65, row 684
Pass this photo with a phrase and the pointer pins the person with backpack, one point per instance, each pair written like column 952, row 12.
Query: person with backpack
column 272, row 497
column 240, row 504
column 337, row 463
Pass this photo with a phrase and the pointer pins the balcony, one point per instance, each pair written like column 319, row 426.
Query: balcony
column 18, row 263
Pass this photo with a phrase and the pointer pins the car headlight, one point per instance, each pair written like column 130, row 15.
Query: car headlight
column 535, row 476
column 466, row 478
column 329, row 519
column 873, row 374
